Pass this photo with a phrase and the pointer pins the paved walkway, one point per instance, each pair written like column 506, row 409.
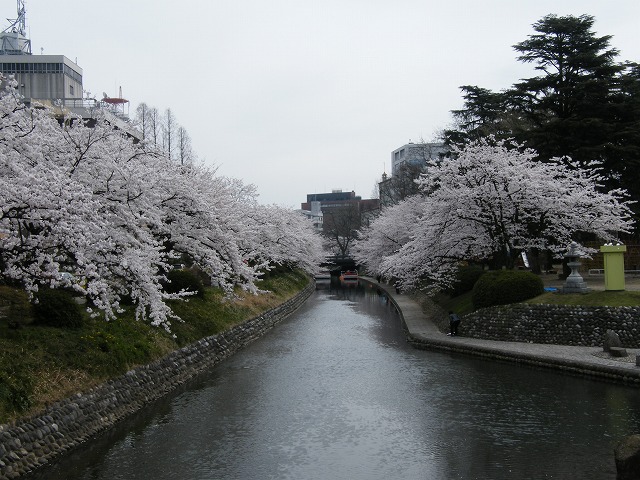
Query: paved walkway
column 423, row 333
column 594, row 282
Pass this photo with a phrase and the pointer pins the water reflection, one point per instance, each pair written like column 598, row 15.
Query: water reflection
column 335, row 392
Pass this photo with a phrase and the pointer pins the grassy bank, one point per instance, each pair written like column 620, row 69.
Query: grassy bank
column 41, row 364
column 592, row 299
column 462, row 304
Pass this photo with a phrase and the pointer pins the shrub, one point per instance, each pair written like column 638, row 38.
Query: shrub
column 502, row 287
column 15, row 305
column 184, row 280
column 57, row 308
column 466, row 278
column 204, row 277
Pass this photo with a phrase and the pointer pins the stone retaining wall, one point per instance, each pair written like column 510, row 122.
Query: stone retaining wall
column 555, row 324
column 32, row 442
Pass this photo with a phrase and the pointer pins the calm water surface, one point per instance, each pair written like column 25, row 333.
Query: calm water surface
column 336, row 393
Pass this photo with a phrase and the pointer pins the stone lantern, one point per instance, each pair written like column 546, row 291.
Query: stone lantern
column 574, row 282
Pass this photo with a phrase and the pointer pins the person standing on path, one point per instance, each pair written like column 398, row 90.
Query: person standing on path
column 454, row 321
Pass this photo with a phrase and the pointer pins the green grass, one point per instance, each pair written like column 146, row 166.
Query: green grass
column 41, row 364
column 213, row 314
column 592, row 299
column 462, row 304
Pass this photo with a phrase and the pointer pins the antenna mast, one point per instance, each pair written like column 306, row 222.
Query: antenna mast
column 18, row 25
column 14, row 37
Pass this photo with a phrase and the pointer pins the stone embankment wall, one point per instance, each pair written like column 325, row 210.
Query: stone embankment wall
column 555, row 324
column 32, row 442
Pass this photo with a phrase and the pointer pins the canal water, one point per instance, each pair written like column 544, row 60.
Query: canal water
column 335, row 392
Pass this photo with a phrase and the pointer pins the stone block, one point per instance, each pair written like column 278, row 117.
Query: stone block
column 638, row 360
column 627, row 457
column 618, row 352
column 611, row 339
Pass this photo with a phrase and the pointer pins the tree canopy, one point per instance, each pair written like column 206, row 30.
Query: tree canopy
column 90, row 210
column 582, row 104
column 489, row 203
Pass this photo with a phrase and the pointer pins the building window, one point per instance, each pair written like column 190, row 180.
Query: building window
column 70, row 89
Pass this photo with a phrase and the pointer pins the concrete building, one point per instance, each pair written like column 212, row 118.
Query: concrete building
column 54, row 80
column 335, row 198
column 45, row 78
column 407, row 163
column 321, row 206
column 339, row 215
column 417, row 154
column 326, row 202
column 316, row 202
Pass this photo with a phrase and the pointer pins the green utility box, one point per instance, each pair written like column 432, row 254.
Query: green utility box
column 613, row 266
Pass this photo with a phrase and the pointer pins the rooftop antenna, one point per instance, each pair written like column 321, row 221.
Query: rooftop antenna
column 14, row 37
column 18, row 25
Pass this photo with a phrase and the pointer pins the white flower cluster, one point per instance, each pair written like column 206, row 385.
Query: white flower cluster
column 89, row 209
column 491, row 201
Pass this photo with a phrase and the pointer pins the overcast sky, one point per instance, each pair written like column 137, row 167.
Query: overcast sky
column 301, row 96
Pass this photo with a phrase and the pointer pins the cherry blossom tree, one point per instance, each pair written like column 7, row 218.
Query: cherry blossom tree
column 281, row 231
column 490, row 203
column 88, row 209
column 388, row 234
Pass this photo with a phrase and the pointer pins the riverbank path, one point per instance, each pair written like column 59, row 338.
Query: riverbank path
column 422, row 332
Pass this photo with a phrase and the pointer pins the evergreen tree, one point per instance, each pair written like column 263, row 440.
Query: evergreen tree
column 583, row 104
column 623, row 147
column 483, row 114
column 568, row 106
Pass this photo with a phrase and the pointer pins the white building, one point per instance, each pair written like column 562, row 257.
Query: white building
column 417, row 154
column 314, row 214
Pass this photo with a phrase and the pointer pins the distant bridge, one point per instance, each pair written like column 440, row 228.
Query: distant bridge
column 338, row 263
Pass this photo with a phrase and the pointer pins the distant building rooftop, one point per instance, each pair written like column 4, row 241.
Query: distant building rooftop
column 334, row 196
column 54, row 80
